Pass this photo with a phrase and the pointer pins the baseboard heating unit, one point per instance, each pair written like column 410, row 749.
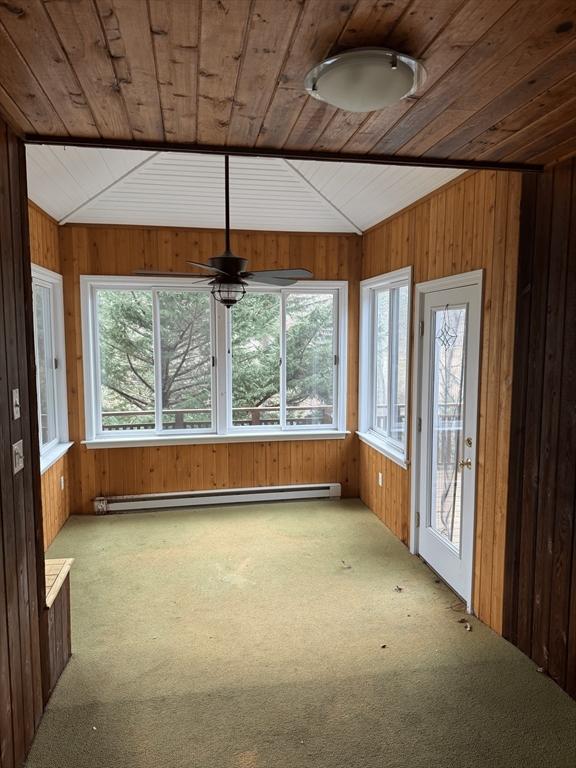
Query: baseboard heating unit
column 113, row 504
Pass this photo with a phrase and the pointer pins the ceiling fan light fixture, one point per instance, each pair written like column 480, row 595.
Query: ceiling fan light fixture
column 365, row 79
column 228, row 273
column 228, row 292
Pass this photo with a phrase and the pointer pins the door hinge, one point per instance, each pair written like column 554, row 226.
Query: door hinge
column 417, row 519
column 213, row 361
column 55, row 363
column 421, row 326
column 335, row 359
column 419, row 424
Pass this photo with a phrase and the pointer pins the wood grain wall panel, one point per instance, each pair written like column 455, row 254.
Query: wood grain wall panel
column 21, row 552
column 230, row 72
column 45, row 252
column 540, row 588
column 55, row 499
column 121, row 250
column 44, row 245
column 469, row 224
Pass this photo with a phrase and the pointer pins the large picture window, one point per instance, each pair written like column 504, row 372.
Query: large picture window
column 50, row 365
column 384, row 362
column 164, row 362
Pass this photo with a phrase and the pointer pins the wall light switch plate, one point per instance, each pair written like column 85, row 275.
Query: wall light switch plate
column 15, row 404
column 17, row 457
column 380, row 479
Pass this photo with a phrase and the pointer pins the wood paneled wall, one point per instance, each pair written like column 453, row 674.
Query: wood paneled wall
column 121, row 250
column 44, row 245
column 21, row 550
column 470, row 224
column 540, row 602
column 45, row 252
column 55, row 498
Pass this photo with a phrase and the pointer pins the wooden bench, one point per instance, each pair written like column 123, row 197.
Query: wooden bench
column 58, row 621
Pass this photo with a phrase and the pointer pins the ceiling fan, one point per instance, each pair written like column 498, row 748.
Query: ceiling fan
column 229, row 276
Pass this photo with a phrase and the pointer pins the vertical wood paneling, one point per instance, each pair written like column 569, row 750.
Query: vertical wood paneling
column 55, row 499
column 21, row 554
column 59, row 636
column 540, row 589
column 121, row 250
column 44, row 247
column 469, row 224
column 45, row 252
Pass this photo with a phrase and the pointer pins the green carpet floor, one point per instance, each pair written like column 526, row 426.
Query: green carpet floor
column 252, row 637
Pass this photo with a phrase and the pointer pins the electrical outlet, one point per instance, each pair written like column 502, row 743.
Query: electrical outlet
column 17, row 457
column 61, row 482
column 380, row 479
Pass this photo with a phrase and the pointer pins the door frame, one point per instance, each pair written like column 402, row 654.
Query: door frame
column 463, row 280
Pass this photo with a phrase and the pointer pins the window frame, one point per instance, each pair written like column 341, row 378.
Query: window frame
column 222, row 428
column 393, row 449
column 54, row 450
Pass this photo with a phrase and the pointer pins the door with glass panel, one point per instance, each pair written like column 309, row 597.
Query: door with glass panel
column 447, row 417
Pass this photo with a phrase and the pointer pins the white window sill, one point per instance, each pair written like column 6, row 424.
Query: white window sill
column 386, row 450
column 238, row 437
column 53, row 455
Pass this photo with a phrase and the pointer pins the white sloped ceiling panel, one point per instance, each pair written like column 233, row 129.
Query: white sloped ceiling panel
column 112, row 186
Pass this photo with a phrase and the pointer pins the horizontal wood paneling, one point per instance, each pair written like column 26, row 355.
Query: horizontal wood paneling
column 45, row 252
column 469, row 224
column 121, row 250
column 540, row 604
column 231, row 72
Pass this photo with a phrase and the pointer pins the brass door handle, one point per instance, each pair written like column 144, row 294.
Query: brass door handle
column 465, row 463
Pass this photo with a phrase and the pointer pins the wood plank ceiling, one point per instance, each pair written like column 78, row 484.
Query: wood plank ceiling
column 501, row 82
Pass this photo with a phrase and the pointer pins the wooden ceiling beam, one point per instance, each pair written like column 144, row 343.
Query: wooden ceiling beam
column 286, row 154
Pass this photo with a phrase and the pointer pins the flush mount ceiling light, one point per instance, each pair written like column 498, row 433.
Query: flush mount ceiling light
column 365, row 79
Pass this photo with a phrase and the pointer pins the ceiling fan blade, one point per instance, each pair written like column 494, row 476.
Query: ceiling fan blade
column 146, row 272
column 268, row 279
column 283, row 274
column 206, row 266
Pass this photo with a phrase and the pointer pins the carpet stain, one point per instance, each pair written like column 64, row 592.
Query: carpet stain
column 248, row 760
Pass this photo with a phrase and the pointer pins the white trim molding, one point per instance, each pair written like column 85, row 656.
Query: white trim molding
column 222, row 429
column 214, row 439
column 53, row 455
column 463, row 280
column 59, row 445
column 395, row 450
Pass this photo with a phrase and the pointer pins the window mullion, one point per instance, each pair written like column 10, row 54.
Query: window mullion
column 157, row 362
column 373, row 361
column 38, row 398
column 336, row 359
column 392, row 359
column 97, row 368
column 223, row 397
column 283, row 366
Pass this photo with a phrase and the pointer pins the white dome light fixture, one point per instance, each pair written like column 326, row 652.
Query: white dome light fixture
column 365, row 79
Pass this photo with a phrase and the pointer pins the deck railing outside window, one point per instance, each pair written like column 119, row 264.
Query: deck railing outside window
column 200, row 418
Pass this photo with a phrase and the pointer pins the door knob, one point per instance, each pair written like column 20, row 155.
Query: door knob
column 465, row 463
